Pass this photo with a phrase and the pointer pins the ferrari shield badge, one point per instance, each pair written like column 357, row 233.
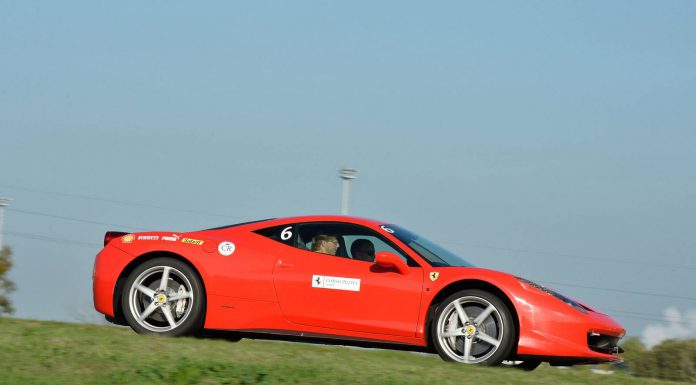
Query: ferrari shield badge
column 434, row 275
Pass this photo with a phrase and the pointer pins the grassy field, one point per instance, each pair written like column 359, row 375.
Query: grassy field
column 37, row 352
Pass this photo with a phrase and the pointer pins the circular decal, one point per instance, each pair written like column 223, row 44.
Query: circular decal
column 387, row 229
column 226, row 248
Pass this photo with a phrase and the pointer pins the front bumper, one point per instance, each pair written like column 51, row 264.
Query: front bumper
column 555, row 332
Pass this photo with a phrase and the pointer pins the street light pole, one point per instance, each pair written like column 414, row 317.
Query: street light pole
column 346, row 174
column 4, row 202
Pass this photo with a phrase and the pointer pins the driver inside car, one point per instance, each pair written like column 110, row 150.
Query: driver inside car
column 325, row 244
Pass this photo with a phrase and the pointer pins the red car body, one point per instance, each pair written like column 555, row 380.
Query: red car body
column 264, row 286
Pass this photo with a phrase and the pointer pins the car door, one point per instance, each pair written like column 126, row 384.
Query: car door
column 338, row 292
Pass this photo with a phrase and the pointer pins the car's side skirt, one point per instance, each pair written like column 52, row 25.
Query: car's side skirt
column 366, row 340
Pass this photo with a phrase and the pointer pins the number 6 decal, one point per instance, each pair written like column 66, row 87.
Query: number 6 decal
column 286, row 233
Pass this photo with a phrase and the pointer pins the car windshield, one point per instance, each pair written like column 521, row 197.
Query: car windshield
column 435, row 254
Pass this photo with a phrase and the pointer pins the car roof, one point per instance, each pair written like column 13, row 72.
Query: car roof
column 255, row 225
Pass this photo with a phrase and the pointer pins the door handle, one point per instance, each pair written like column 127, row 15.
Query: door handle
column 285, row 264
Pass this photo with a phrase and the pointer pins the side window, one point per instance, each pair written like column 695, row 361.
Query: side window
column 361, row 246
column 345, row 240
column 283, row 234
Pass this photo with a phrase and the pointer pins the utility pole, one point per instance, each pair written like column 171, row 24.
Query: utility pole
column 346, row 174
column 4, row 202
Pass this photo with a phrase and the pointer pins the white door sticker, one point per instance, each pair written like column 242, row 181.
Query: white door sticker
column 335, row 283
column 226, row 248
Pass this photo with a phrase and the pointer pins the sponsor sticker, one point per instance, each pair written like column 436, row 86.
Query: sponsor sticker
column 387, row 229
column 434, row 275
column 171, row 238
column 128, row 238
column 148, row 237
column 192, row 241
column 226, row 248
column 335, row 283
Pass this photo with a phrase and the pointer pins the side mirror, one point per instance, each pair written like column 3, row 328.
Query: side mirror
column 386, row 259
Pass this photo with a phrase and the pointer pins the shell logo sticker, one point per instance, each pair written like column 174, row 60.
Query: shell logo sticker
column 434, row 275
column 128, row 238
column 226, row 248
column 192, row 241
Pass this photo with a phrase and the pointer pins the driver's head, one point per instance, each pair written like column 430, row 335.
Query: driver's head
column 363, row 250
column 326, row 244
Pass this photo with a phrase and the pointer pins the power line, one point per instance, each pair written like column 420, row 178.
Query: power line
column 66, row 241
column 455, row 243
column 620, row 291
column 688, row 323
column 58, row 240
column 137, row 204
column 638, row 317
column 44, row 238
column 603, row 259
column 538, row 252
column 74, row 219
column 445, row 242
column 653, row 317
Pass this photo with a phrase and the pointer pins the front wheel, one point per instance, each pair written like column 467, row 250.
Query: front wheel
column 473, row 327
column 164, row 296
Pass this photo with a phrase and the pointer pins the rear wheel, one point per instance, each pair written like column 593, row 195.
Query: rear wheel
column 473, row 327
column 164, row 296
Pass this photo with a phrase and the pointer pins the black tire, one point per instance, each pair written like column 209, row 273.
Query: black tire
column 481, row 335
column 143, row 296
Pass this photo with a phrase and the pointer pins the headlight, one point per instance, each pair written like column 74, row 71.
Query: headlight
column 576, row 305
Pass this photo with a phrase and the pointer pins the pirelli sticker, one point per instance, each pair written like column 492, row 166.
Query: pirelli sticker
column 192, row 241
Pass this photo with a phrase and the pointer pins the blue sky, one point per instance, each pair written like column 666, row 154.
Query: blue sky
column 540, row 138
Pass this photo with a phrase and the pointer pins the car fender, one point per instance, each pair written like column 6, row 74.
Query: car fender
column 441, row 282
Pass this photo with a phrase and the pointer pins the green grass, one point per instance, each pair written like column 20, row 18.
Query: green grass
column 37, row 352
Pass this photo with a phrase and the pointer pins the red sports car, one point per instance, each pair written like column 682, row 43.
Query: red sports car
column 342, row 278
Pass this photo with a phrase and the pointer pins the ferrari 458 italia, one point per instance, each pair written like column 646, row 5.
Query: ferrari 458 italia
column 342, row 278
